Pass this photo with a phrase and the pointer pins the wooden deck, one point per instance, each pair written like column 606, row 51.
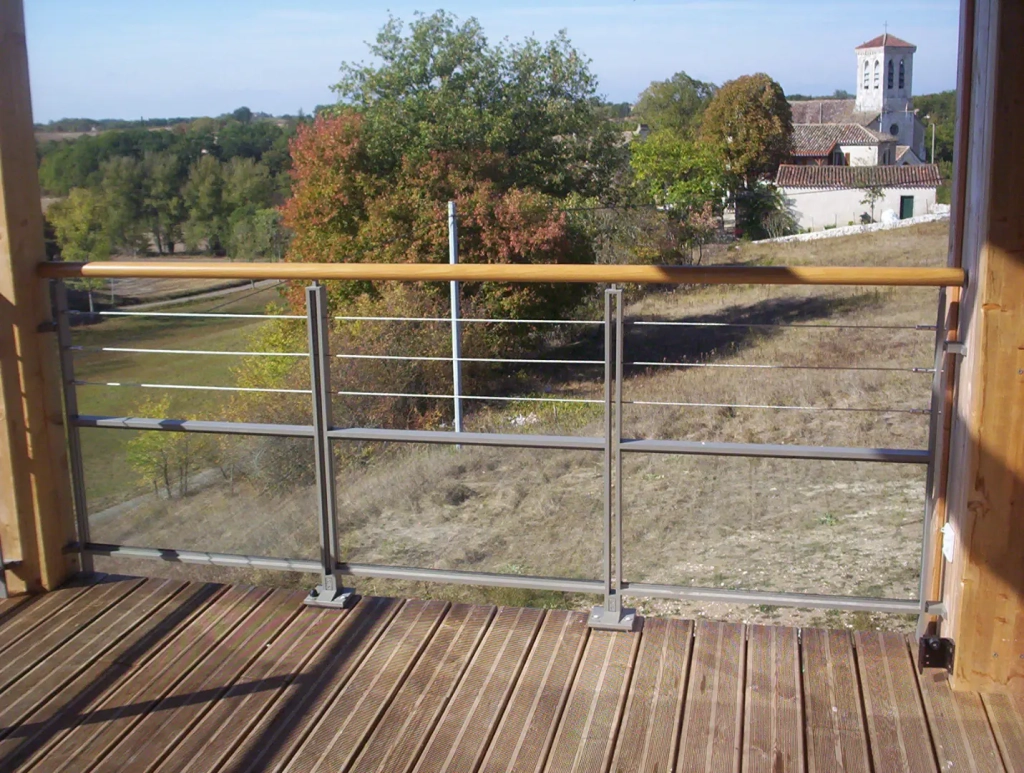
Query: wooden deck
column 126, row 674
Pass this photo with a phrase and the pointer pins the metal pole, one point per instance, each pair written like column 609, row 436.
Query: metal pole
column 611, row 616
column 329, row 593
column 453, row 258
column 933, row 143
column 934, row 425
column 59, row 296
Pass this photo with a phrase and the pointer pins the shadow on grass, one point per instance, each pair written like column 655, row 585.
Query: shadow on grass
column 652, row 343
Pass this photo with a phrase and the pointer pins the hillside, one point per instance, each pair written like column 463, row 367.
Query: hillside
column 851, row 528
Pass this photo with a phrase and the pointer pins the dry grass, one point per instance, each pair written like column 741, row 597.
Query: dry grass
column 810, row 526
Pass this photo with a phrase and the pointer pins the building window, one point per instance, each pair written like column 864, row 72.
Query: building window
column 878, row 73
column 867, row 75
column 892, row 75
column 903, row 75
column 894, row 130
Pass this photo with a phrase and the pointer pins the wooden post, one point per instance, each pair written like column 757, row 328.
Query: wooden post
column 36, row 520
column 984, row 583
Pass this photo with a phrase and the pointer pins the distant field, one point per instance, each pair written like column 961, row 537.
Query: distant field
column 851, row 528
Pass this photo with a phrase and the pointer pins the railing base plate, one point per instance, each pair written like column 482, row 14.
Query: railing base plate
column 604, row 620
column 341, row 598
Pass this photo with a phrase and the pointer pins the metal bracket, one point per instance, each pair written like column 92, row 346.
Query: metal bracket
column 956, row 347
column 935, row 652
column 604, row 619
column 334, row 596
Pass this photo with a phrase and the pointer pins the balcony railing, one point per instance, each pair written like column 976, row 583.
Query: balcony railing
column 612, row 445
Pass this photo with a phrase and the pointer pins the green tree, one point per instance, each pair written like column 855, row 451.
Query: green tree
column 163, row 206
column 675, row 105
column 762, row 212
column 438, row 86
column 246, row 183
column 872, row 195
column 204, row 202
column 80, row 227
column 750, row 123
column 167, row 458
column 679, row 173
column 123, row 188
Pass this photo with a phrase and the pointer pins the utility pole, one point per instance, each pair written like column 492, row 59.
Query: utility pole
column 453, row 259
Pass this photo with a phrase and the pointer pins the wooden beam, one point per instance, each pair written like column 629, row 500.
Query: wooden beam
column 35, row 501
column 984, row 585
column 514, row 272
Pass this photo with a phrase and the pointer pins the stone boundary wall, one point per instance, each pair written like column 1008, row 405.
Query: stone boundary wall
column 851, row 230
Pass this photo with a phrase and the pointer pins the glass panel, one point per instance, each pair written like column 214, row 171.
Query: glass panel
column 807, row 526
column 864, row 384
column 213, row 493
column 514, row 511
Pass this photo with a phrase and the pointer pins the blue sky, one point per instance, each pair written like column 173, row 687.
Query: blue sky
column 154, row 58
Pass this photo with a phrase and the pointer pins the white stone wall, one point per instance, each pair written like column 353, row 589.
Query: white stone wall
column 861, row 155
column 815, row 208
column 942, row 213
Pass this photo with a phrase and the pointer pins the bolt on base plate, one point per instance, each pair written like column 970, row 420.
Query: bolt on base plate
column 341, row 598
column 605, row 620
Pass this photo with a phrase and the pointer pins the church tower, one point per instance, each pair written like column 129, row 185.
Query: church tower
column 885, row 74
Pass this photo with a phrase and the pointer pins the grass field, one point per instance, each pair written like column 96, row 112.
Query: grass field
column 851, row 528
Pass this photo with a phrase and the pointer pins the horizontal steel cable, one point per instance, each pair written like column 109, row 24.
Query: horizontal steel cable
column 750, row 366
column 777, row 407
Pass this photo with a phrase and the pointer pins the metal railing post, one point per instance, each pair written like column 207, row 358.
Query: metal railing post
column 70, row 395
column 453, row 258
column 935, row 421
column 612, row 615
column 329, row 593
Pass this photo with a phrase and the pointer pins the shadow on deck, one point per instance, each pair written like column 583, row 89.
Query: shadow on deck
column 127, row 674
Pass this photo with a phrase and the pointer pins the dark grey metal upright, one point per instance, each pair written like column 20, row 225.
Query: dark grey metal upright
column 329, row 593
column 612, row 615
column 67, row 373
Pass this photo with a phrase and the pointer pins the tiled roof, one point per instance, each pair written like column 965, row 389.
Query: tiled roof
column 918, row 176
column 886, row 40
column 830, row 111
column 901, row 151
column 818, row 139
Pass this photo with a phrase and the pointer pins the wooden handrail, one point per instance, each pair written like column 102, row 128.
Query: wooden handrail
column 502, row 272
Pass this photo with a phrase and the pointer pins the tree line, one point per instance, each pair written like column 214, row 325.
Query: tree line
column 209, row 185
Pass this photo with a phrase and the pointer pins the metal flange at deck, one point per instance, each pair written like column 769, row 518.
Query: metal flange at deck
column 602, row 619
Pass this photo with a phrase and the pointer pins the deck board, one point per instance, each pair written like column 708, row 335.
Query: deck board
column 713, row 717
column 161, row 676
column 57, row 629
column 527, row 730
column 460, row 740
column 231, row 719
column 773, row 735
column 654, row 711
column 354, row 713
column 407, row 725
column 90, row 740
column 897, row 727
column 65, row 663
column 51, row 720
column 39, row 611
column 286, row 724
column 961, row 732
column 836, row 735
column 586, row 735
column 172, row 718
column 1006, row 716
